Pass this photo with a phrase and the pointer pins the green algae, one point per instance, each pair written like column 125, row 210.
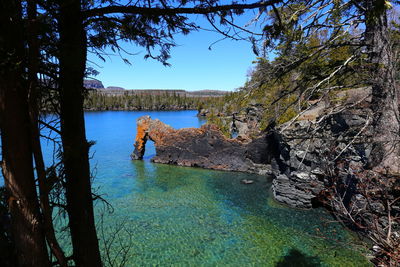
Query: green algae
column 176, row 216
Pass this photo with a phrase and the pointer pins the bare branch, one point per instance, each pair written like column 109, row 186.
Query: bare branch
column 155, row 11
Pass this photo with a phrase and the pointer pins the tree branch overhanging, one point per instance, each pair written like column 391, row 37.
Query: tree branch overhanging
column 173, row 11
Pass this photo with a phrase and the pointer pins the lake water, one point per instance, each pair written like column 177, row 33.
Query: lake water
column 168, row 215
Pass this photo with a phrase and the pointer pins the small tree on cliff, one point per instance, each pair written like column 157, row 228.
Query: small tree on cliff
column 358, row 29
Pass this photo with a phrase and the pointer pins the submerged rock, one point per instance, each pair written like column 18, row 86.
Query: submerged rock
column 204, row 147
column 247, row 181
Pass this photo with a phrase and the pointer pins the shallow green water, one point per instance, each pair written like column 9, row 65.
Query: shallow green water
column 187, row 216
column 168, row 215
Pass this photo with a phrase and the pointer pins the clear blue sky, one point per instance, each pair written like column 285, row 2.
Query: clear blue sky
column 193, row 65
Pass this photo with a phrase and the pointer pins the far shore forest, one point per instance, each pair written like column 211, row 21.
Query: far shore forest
column 100, row 101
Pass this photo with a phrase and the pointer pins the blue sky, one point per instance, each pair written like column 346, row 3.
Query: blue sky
column 193, row 65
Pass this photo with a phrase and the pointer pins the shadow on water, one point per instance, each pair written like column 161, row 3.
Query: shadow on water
column 169, row 178
column 296, row 258
column 254, row 200
column 150, row 176
column 249, row 198
column 143, row 177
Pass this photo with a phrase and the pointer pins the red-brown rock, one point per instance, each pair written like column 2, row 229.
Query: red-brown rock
column 204, row 147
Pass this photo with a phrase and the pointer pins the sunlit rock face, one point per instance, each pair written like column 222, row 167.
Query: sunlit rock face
column 306, row 152
column 204, row 147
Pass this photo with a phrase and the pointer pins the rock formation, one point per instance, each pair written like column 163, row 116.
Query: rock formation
column 306, row 151
column 204, row 147
column 247, row 122
column 298, row 154
column 242, row 124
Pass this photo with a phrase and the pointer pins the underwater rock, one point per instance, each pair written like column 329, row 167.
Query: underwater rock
column 247, row 181
column 204, row 147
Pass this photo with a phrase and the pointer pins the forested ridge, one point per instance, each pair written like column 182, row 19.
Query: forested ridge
column 97, row 101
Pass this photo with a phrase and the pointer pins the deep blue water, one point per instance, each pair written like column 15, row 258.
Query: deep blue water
column 114, row 134
column 170, row 215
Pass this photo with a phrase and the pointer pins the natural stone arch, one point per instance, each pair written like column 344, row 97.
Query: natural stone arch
column 204, row 147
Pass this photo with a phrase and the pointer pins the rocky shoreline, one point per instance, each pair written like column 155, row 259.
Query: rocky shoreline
column 296, row 154
column 155, row 108
column 298, row 165
column 321, row 158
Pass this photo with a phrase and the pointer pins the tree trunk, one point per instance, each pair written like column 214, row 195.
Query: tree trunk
column 385, row 154
column 76, row 148
column 26, row 221
column 34, row 98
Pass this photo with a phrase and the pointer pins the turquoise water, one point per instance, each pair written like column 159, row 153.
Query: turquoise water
column 165, row 215
column 170, row 215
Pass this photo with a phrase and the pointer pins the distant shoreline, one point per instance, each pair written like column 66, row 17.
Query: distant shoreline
column 98, row 87
column 128, row 109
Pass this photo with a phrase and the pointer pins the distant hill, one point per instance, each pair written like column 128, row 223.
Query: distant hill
column 118, row 91
column 115, row 88
column 206, row 93
column 93, row 84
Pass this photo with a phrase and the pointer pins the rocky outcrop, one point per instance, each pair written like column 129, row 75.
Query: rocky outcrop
column 243, row 124
column 247, row 122
column 203, row 112
column 307, row 151
column 93, row 84
column 204, row 147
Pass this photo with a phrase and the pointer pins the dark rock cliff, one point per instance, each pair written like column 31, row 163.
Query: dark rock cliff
column 307, row 151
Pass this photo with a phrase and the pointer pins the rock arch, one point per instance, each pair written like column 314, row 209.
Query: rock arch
column 204, row 147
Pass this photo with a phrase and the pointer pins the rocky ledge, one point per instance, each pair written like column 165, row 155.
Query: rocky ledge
column 300, row 155
column 204, row 147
